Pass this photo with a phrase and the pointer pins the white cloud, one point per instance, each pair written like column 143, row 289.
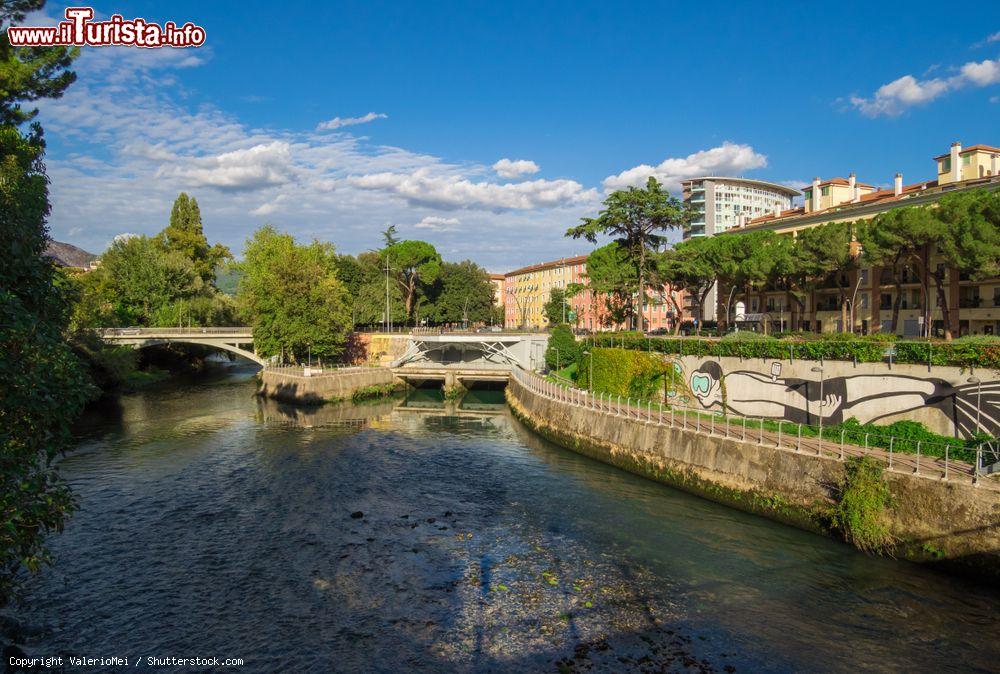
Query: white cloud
column 894, row 98
column 425, row 187
column 437, row 223
column 250, row 169
column 989, row 39
column 982, row 74
column 340, row 122
column 726, row 159
column 507, row 168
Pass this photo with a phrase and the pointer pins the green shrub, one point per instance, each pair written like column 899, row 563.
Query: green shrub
column 563, row 348
column 623, row 372
column 860, row 512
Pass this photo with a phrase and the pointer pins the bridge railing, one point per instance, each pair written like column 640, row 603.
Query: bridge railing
column 193, row 330
column 933, row 461
column 318, row 369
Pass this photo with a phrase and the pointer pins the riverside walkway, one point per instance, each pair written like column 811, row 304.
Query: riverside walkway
column 743, row 429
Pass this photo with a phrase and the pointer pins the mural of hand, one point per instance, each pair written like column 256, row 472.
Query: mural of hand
column 830, row 404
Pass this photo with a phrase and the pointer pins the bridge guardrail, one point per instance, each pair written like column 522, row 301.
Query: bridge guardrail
column 751, row 429
column 194, row 330
column 321, row 370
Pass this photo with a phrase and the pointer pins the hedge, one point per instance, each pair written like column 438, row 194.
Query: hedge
column 968, row 353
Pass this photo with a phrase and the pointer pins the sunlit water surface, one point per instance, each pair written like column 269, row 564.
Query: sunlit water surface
column 429, row 535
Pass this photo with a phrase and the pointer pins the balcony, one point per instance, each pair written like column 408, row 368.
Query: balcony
column 970, row 302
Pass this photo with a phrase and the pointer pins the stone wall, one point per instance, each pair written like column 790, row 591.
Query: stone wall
column 933, row 521
column 321, row 388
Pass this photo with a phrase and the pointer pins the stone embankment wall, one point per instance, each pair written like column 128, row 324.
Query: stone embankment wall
column 325, row 387
column 933, row 521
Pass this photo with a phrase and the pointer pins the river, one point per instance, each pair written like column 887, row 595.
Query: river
column 422, row 535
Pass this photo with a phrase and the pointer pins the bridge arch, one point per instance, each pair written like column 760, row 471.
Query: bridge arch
column 224, row 339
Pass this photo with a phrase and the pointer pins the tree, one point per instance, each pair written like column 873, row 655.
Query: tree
column 389, row 236
column 140, row 278
column 610, row 277
column 463, row 294
column 636, row 219
column 555, row 309
column 829, row 256
column 43, row 386
column 186, row 236
column 893, row 241
column 416, row 265
column 562, row 349
column 968, row 233
column 29, row 73
column 690, row 266
column 291, row 294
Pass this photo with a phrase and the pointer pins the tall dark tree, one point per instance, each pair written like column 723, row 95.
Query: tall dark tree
column 637, row 219
column 610, row 279
column 42, row 384
column 556, row 309
column 691, row 266
column 29, row 73
column 186, row 235
column 415, row 266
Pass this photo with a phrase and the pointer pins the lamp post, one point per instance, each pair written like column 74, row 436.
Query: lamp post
column 821, row 402
column 979, row 397
column 590, row 376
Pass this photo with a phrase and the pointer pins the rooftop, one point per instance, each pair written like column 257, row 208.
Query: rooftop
column 785, row 189
column 541, row 266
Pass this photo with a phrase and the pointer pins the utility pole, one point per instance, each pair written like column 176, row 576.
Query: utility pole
column 388, row 315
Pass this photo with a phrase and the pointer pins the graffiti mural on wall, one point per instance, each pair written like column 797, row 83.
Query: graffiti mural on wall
column 867, row 398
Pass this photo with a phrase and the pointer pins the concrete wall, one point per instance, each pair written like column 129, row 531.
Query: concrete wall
column 942, row 522
column 941, row 398
column 322, row 388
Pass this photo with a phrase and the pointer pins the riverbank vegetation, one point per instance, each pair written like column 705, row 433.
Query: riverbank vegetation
column 862, row 500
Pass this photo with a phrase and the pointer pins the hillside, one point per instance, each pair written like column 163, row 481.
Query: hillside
column 68, row 255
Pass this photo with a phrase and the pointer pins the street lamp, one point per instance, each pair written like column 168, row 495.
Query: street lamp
column 821, row 403
column 979, row 397
column 590, row 377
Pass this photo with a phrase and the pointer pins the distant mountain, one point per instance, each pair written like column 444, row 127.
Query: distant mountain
column 68, row 255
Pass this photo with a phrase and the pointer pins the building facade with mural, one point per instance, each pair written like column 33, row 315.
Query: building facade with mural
column 974, row 305
column 527, row 290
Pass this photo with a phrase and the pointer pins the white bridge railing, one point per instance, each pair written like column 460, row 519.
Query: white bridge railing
column 782, row 435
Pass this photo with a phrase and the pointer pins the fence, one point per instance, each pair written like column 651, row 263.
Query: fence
column 319, row 370
column 927, row 461
column 193, row 330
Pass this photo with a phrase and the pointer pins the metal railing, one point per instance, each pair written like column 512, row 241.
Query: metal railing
column 317, row 370
column 193, row 330
column 930, row 460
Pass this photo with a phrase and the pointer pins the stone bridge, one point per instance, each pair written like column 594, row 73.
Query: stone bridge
column 238, row 340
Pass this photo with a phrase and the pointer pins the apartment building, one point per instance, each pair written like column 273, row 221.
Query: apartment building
column 721, row 204
column 527, row 290
column 974, row 306
column 497, row 281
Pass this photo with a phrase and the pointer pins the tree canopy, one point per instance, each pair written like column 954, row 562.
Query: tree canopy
column 637, row 220
column 291, row 294
column 186, row 236
column 415, row 265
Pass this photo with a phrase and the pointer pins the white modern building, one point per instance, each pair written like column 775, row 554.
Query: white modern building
column 723, row 203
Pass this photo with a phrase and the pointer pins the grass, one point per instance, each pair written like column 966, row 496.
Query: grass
column 374, row 391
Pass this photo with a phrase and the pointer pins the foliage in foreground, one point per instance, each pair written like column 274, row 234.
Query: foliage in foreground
column 861, row 511
column 42, row 384
column 562, row 349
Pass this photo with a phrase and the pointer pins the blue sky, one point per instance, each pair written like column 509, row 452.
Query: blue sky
column 579, row 98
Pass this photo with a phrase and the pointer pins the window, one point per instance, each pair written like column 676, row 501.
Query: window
column 826, row 191
column 945, row 165
column 966, row 160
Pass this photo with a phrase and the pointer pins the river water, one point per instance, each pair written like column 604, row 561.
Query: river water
column 420, row 535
